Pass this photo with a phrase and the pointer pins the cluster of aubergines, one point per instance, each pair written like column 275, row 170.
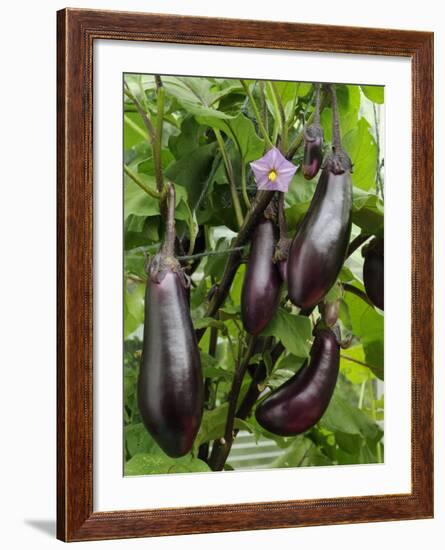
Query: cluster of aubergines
column 170, row 385
column 309, row 265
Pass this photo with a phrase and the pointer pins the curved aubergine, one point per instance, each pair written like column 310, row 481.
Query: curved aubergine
column 300, row 402
column 373, row 271
column 261, row 288
column 313, row 150
column 318, row 250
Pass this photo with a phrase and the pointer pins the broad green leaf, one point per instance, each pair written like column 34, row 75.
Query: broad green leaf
column 159, row 463
column 212, row 425
column 137, row 439
column 367, row 212
column 348, row 98
column 353, row 371
column 192, row 171
column 374, row 93
column 133, row 306
column 294, row 331
column 361, row 147
column 137, row 201
column 242, row 132
column 340, row 416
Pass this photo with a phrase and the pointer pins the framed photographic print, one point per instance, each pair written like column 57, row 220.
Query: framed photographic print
column 245, row 226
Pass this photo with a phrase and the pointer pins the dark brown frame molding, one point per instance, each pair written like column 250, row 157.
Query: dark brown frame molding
column 76, row 32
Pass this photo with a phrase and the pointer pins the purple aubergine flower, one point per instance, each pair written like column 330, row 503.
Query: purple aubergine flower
column 273, row 172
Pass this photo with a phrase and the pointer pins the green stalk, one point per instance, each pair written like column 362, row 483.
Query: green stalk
column 279, row 109
column 135, row 127
column 229, row 171
column 257, row 114
column 140, row 183
column 244, row 185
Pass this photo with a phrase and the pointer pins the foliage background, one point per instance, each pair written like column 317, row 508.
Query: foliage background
column 351, row 431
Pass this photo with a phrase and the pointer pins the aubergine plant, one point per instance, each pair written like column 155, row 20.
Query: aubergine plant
column 253, row 272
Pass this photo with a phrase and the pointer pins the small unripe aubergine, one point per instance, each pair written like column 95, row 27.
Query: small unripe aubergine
column 299, row 403
column 261, row 287
column 313, row 150
column 170, row 386
column 318, row 250
column 373, row 271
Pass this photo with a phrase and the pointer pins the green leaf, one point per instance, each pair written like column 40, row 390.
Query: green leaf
column 367, row 212
column 294, row 331
column 368, row 325
column 133, row 307
column 348, row 98
column 361, row 147
column 212, row 425
column 242, row 132
column 374, row 93
column 192, row 171
column 137, row 201
column 137, row 439
column 159, row 463
column 340, row 416
column 195, row 95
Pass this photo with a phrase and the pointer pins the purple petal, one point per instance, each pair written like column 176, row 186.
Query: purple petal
column 263, row 182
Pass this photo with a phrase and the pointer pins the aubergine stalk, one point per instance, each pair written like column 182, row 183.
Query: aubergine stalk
column 262, row 282
column 319, row 247
column 282, row 247
column 170, row 386
column 299, row 403
column 313, row 142
column 373, row 271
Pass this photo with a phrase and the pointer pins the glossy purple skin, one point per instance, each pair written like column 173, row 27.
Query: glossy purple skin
column 282, row 268
column 373, row 273
column 318, row 250
column 313, row 151
column 170, row 386
column 261, row 288
column 300, row 402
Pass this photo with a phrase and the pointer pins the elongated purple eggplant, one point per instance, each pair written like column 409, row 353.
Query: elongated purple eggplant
column 261, row 288
column 373, row 271
column 313, row 142
column 313, row 150
column 170, row 386
column 318, row 250
column 300, row 402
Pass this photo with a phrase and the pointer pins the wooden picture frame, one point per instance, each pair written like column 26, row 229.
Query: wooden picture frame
column 77, row 31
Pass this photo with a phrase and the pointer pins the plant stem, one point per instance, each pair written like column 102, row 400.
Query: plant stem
column 257, row 114
column 210, row 253
column 221, row 448
column 299, row 138
column 336, row 135
column 353, row 360
column 357, row 243
column 317, row 104
column 230, row 176
column 260, row 202
column 140, row 183
column 135, row 127
column 157, row 144
column 244, row 185
column 168, row 246
column 143, row 114
column 379, row 182
column 203, row 452
column 359, row 293
column 281, row 217
column 278, row 105
column 264, row 106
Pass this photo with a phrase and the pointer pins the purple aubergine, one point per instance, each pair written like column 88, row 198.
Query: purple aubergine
column 261, row 288
column 313, row 150
column 319, row 247
column 299, row 403
column 170, row 387
column 373, row 271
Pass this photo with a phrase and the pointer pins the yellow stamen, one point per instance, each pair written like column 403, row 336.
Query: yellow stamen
column 272, row 175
